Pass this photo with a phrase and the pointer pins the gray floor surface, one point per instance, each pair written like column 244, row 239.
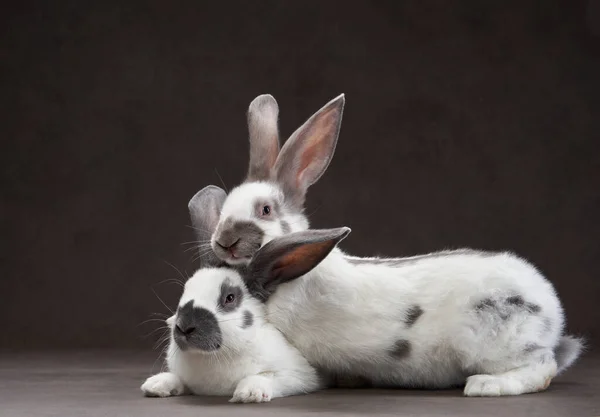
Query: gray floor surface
column 106, row 383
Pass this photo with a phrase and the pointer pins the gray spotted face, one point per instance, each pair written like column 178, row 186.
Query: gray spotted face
column 253, row 214
column 270, row 203
column 215, row 311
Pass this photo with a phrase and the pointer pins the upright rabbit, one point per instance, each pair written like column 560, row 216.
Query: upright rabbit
column 487, row 320
column 220, row 343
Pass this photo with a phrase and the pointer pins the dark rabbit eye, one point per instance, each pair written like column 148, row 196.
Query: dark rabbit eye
column 266, row 210
column 230, row 298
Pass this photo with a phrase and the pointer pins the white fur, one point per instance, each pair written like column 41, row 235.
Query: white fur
column 253, row 364
column 345, row 318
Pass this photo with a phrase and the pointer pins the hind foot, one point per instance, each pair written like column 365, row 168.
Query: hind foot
column 495, row 386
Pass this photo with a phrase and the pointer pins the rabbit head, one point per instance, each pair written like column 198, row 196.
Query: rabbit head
column 222, row 304
column 270, row 202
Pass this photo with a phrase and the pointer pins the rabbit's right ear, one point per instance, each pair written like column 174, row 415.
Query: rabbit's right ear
column 205, row 210
column 288, row 257
column 307, row 153
column 263, row 136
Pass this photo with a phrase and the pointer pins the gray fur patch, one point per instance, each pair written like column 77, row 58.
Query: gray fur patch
column 412, row 315
column 531, row 347
column 548, row 325
column 285, row 227
column 518, row 301
column 485, row 304
column 197, row 328
column 245, row 237
column 401, row 349
column 248, row 319
column 394, row 262
column 504, row 308
column 227, row 288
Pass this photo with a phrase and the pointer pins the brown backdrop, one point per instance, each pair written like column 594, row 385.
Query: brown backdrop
column 466, row 124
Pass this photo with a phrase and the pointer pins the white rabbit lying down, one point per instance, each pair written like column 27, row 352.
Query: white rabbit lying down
column 220, row 343
column 490, row 320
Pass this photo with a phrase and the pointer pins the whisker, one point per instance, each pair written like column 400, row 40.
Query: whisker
column 149, row 320
column 166, row 316
column 160, row 299
column 155, row 330
column 222, row 182
column 198, row 229
column 175, row 268
column 194, row 242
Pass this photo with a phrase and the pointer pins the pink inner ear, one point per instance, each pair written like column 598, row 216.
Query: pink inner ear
column 317, row 146
column 300, row 260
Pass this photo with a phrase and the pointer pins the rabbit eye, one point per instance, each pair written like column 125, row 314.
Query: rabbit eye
column 266, row 210
column 230, row 298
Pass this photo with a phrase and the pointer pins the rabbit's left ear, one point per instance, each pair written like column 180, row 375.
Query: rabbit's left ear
column 288, row 257
column 263, row 137
column 205, row 210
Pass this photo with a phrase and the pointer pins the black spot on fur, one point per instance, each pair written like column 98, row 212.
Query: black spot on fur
column 412, row 315
column 518, row 301
column 515, row 300
column 227, row 288
column 401, row 349
column 485, row 303
column 248, row 319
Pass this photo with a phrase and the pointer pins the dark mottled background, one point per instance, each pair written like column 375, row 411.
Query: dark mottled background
column 467, row 123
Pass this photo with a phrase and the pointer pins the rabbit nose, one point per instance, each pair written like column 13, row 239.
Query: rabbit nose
column 225, row 246
column 185, row 330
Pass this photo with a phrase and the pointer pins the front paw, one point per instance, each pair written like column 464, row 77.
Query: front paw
column 164, row 384
column 254, row 389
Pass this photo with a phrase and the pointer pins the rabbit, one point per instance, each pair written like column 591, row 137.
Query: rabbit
column 487, row 321
column 220, row 343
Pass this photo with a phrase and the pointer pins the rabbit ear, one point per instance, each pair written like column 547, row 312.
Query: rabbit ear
column 205, row 210
column 307, row 153
column 290, row 256
column 264, row 137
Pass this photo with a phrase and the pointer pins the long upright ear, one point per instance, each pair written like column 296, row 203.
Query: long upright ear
column 205, row 210
column 289, row 257
column 264, row 137
column 307, row 153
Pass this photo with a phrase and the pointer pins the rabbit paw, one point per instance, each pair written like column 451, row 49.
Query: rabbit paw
column 164, row 384
column 492, row 386
column 254, row 389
